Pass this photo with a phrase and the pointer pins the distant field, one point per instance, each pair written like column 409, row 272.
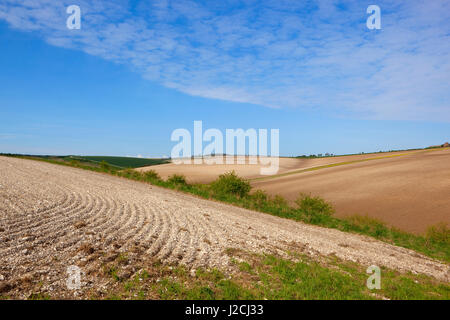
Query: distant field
column 406, row 189
column 118, row 162
column 124, row 162
column 410, row 192
column 205, row 173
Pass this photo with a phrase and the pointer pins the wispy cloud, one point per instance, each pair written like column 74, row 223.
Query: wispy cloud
column 302, row 54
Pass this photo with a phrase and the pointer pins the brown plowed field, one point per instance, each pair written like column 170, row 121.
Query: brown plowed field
column 50, row 214
column 406, row 189
column 206, row 173
column 410, row 192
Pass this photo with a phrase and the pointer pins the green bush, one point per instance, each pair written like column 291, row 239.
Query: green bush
column 230, row 183
column 279, row 202
column 105, row 166
column 281, row 207
column 74, row 162
column 131, row 174
column 314, row 209
column 318, row 205
column 259, row 199
column 177, row 179
column 439, row 233
column 151, row 175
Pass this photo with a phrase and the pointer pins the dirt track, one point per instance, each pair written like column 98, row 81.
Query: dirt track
column 47, row 212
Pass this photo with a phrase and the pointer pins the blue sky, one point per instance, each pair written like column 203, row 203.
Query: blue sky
column 137, row 70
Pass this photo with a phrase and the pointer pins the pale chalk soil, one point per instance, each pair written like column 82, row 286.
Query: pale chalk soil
column 54, row 216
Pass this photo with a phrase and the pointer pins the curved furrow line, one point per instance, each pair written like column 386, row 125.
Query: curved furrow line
column 58, row 206
column 162, row 236
column 117, row 221
column 168, row 245
column 139, row 225
column 62, row 209
column 47, row 221
column 159, row 226
column 166, row 253
column 67, row 225
column 105, row 217
column 69, row 238
column 53, row 228
column 135, row 225
column 42, row 231
column 95, row 219
column 126, row 226
column 155, row 228
column 145, row 234
column 62, row 215
column 43, row 217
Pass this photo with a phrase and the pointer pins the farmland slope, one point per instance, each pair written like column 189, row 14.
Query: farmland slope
column 48, row 213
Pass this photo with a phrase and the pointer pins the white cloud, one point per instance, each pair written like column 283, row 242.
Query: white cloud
column 302, row 54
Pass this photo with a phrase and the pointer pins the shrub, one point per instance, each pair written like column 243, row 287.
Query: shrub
column 439, row 233
column 309, row 204
column 259, row 199
column 279, row 202
column 105, row 165
column 74, row 162
column 230, row 183
column 314, row 209
column 151, row 175
column 177, row 179
column 131, row 174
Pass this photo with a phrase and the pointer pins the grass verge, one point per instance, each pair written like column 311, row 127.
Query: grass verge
column 256, row 276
